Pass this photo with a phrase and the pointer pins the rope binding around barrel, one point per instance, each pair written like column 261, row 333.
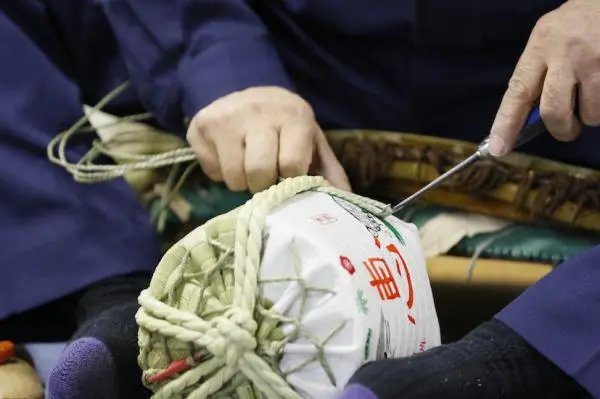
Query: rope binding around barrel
column 206, row 329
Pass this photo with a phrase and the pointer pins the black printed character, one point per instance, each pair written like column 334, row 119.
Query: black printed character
column 384, row 344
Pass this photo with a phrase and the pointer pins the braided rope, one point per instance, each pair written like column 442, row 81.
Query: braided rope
column 203, row 301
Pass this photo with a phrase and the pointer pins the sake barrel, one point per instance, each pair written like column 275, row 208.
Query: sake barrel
column 285, row 297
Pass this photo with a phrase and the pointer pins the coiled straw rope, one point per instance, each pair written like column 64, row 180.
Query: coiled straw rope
column 205, row 304
column 85, row 171
column 137, row 148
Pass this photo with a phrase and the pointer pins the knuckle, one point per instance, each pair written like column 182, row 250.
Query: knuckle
column 192, row 132
column 558, row 132
column 292, row 165
column 298, row 108
column 591, row 82
column 203, row 121
column 235, row 183
column 563, row 126
column 555, row 127
column 591, row 120
column 544, row 26
column 594, row 58
column 212, row 175
column 190, row 136
column 211, row 170
column 518, row 89
column 260, row 182
column 503, row 115
column 259, row 170
column 270, row 101
column 565, row 133
column 257, row 187
column 550, row 113
column 218, row 113
column 504, row 125
column 255, row 107
column 551, row 107
column 194, row 138
column 573, row 43
column 590, row 116
column 208, row 164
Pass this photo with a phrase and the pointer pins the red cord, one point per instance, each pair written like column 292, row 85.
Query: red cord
column 7, row 350
column 176, row 367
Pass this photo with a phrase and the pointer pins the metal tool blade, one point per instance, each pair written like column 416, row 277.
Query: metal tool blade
column 389, row 210
column 534, row 126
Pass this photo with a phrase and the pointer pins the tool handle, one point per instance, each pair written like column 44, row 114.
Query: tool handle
column 534, row 126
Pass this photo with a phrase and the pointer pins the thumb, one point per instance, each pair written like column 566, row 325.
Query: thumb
column 327, row 165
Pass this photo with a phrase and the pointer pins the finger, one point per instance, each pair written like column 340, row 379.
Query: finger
column 206, row 153
column 524, row 88
column 262, row 149
column 558, row 101
column 231, row 158
column 589, row 100
column 328, row 165
column 296, row 148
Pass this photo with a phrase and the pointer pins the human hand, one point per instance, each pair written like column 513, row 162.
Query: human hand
column 250, row 138
column 560, row 66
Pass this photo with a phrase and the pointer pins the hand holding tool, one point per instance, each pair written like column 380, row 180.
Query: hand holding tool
column 534, row 126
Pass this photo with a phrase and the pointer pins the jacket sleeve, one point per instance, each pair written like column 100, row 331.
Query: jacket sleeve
column 184, row 54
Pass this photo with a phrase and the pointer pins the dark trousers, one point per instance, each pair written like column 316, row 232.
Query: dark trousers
column 58, row 320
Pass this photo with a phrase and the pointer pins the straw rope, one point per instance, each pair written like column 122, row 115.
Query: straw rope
column 85, row 171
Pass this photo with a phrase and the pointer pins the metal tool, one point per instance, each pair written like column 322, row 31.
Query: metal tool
column 534, row 126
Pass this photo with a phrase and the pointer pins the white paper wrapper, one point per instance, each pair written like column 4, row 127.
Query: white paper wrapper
column 355, row 272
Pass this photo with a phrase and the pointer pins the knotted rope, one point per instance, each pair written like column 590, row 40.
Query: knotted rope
column 205, row 304
column 152, row 148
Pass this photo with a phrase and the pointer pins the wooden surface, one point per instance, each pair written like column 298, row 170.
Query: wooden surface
column 406, row 176
column 487, row 272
